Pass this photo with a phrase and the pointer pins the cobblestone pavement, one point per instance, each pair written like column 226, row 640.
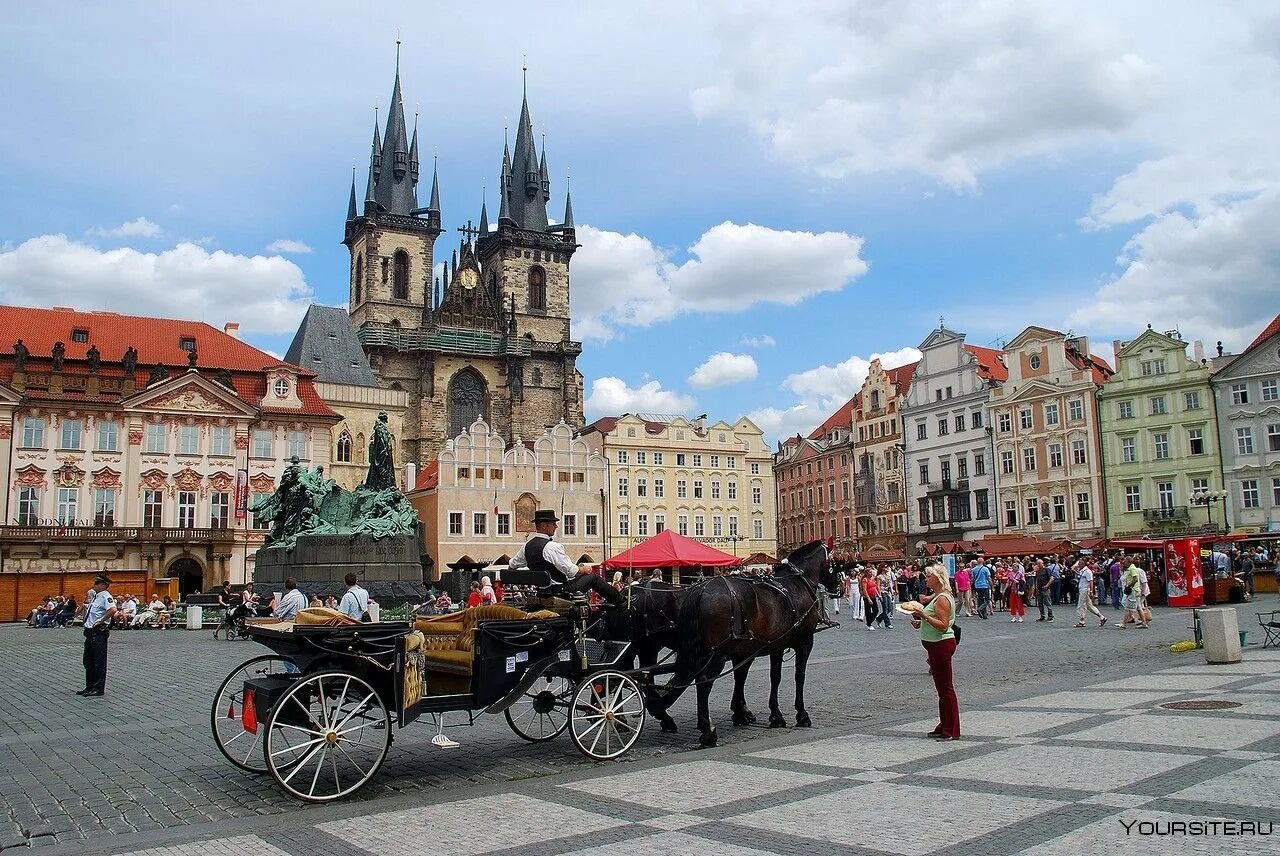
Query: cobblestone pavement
column 1063, row 728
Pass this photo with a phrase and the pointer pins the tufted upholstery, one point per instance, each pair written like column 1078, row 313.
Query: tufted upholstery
column 450, row 638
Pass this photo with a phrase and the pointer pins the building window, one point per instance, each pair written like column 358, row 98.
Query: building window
column 699, row 526
column 659, row 488
column 733, row 491
column 570, row 527
column 1050, row 414
column 1164, row 495
column 924, row 473
column 733, row 527
column 715, row 489
column 1125, row 409
column 1059, row 509
column 537, row 289
column 455, row 522
column 1271, row 390
column 1200, row 484
column 1006, row 463
column 479, row 523
column 757, row 495
column 622, row 456
column 32, row 433
column 979, row 464
column 959, row 422
column 622, row 486
column 715, row 460
column 1005, row 422
column 298, row 445
column 1273, row 438
column 1191, row 400
column 642, row 487
column 1248, row 493
column 682, row 489
column 157, row 438
column 68, row 498
column 1128, row 450
column 1152, row 367
column 219, row 509
column 757, row 525
column 697, row 488
column 1083, row 509
column 640, row 457
column 657, row 459
column 1275, row 492
column 259, row 522
column 28, row 506
column 682, row 524
column 697, row 460
column 1024, row 419
column 754, row 468
column 344, row 448
column 1161, row 441
column 188, row 440
column 186, row 509
column 1158, row 407
column 624, row 525
column 942, row 426
column 1244, row 441
column 679, row 459
column 1010, row 512
column 1078, row 454
column 1075, row 410
column 400, row 282
column 982, row 504
column 945, row 467
column 220, row 441
column 70, row 434
column 1239, row 393
column 592, row 525
column 631, row 432
column 1033, row 512
column 1029, row 460
column 1132, row 497
column 922, row 431
column 1055, row 455
column 975, row 418
column 642, row 525
column 153, row 509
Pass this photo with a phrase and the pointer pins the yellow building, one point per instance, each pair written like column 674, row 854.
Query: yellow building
column 711, row 483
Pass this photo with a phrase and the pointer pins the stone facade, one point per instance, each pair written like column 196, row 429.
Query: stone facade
column 359, row 407
column 949, row 450
column 1048, row 462
column 1246, row 390
column 479, row 471
column 711, row 483
column 813, row 477
column 880, row 486
column 1159, row 437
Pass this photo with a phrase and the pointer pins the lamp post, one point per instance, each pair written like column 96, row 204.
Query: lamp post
column 735, row 539
column 1206, row 498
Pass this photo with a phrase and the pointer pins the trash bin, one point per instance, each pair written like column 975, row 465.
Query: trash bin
column 1221, row 631
column 374, row 611
column 195, row 617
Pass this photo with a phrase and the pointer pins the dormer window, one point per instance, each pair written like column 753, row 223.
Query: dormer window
column 80, row 336
column 281, row 388
column 187, row 343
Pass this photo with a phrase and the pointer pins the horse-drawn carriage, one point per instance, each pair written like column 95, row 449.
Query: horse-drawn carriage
column 318, row 714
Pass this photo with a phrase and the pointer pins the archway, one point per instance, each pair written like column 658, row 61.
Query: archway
column 189, row 574
column 468, row 400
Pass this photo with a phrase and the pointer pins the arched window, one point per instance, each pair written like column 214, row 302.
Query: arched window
column 344, row 447
column 361, row 449
column 401, row 285
column 875, row 399
column 359, row 289
column 468, row 400
column 535, row 376
column 537, row 289
column 493, row 284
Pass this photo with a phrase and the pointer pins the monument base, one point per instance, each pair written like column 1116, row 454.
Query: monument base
column 390, row 568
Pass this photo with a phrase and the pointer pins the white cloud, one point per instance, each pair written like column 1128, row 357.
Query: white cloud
column 722, row 369
column 832, row 386
column 946, row 89
column 778, row 423
column 139, row 228
column 762, row 341
column 284, row 245
column 624, row 280
column 610, row 396
column 266, row 295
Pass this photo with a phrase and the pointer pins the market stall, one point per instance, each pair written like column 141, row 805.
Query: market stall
column 669, row 550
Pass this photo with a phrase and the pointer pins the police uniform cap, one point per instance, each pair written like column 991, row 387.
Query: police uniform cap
column 102, row 579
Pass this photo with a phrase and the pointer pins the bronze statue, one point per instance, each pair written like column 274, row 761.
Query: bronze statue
column 192, row 356
column 20, row 354
column 130, row 360
column 158, row 373
column 94, row 358
column 59, row 352
column 382, row 471
column 223, row 376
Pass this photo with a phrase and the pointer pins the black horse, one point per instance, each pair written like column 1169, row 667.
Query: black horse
column 732, row 620
column 653, row 616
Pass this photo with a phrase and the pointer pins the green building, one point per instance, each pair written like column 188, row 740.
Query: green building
column 1159, row 439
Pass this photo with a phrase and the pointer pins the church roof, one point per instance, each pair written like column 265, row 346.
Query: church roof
column 326, row 344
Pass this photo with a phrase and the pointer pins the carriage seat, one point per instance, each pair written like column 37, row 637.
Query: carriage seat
column 322, row 616
column 449, row 638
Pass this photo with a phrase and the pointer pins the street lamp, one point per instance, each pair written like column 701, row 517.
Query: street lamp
column 1207, row 498
column 735, row 539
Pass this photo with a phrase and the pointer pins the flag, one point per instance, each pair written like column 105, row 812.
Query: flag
column 495, row 502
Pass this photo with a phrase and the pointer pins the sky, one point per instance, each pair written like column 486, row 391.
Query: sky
column 768, row 195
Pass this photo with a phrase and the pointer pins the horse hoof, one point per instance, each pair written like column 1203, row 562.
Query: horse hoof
column 749, row 716
column 777, row 722
column 741, row 719
column 803, row 721
column 669, row 726
column 708, row 739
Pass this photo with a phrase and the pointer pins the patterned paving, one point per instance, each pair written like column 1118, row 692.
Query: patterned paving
column 1102, row 769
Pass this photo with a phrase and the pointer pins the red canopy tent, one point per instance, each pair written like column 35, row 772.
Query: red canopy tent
column 670, row 550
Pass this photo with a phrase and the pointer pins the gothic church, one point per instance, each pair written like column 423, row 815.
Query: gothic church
column 490, row 338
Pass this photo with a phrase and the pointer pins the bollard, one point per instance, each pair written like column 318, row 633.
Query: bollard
column 195, row 617
column 1221, row 631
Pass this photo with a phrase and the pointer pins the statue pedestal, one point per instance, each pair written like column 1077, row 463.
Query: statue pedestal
column 389, row 568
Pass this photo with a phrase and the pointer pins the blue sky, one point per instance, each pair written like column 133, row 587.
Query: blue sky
column 769, row 194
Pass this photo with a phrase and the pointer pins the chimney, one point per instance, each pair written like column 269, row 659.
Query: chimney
column 232, row 328
column 1197, row 350
column 410, row 477
column 1116, row 347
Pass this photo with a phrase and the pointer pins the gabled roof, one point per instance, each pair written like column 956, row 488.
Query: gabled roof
column 326, row 344
column 1099, row 368
column 990, row 363
column 842, row 418
column 1034, row 332
column 1267, row 332
column 901, row 376
column 428, row 478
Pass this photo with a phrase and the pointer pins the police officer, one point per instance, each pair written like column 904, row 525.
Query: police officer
column 98, row 614
column 542, row 553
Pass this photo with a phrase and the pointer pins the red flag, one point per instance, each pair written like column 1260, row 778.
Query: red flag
column 495, row 502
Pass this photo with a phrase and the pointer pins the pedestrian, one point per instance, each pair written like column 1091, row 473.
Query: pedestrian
column 1015, row 585
column 981, row 582
column 884, row 584
column 1055, row 587
column 99, row 612
column 854, row 585
column 355, row 600
column 1144, row 594
column 1247, row 568
column 935, row 623
column 964, row 585
column 487, row 596
column 870, row 598
column 291, row 602
column 1084, row 596
column 1044, row 590
column 1132, row 582
column 1114, row 571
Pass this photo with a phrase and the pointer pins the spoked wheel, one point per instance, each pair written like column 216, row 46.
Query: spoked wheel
column 327, row 736
column 606, row 716
column 542, row 713
column 242, row 748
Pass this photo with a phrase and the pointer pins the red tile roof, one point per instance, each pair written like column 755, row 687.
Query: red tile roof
column 842, row 418
column 1269, row 331
column 606, row 424
column 990, row 363
column 428, row 478
column 901, row 377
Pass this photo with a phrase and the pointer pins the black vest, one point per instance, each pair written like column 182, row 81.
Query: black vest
column 533, row 556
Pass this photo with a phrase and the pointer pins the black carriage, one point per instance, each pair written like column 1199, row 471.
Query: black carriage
column 319, row 713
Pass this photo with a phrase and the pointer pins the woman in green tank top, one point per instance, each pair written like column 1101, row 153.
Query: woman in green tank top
column 935, row 623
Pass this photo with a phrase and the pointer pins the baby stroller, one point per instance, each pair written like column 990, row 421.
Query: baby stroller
column 233, row 620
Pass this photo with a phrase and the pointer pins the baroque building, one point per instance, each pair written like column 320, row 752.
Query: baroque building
column 1048, row 461
column 949, row 448
column 1246, row 389
column 134, row 445
column 812, row 474
column 488, row 340
column 1159, row 438
column 880, row 485
column 712, row 483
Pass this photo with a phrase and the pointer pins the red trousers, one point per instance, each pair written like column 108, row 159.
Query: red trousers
column 1016, row 607
column 939, row 656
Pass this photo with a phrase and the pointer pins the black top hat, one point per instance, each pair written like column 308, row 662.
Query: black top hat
column 102, row 579
column 545, row 515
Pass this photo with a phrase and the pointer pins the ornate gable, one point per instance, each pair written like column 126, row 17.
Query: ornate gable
column 190, row 393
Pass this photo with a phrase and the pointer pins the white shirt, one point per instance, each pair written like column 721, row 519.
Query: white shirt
column 355, row 603
column 553, row 552
column 102, row 601
column 293, row 600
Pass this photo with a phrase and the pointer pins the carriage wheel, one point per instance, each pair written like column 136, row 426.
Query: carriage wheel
column 542, row 713
column 327, row 736
column 242, row 748
column 607, row 715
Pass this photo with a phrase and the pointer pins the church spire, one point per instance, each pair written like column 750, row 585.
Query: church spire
column 568, row 206
column 375, row 163
column 543, row 178
column 527, row 207
column 351, row 202
column 434, row 204
column 484, row 215
column 413, row 151
column 396, row 173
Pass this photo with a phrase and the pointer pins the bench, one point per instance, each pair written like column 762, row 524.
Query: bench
column 1270, row 622
column 449, row 640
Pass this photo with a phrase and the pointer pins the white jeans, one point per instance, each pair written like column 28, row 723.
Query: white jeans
column 1085, row 607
